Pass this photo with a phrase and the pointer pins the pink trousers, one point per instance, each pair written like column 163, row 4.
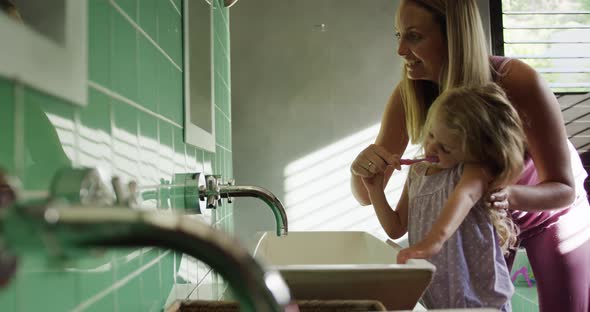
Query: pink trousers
column 563, row 279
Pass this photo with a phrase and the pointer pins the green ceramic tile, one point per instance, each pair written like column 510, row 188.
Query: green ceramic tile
column 525, row 299
column 124, row 72
column 7, row 132
column 219, row 136
column 99, row 17
column 170, row 31
column 230, row 167
column 96, row 274
column 125, row 62
column 217, row 90
column 151, row 288
column 167, row 272
column 126, row 262
column 219, row 30
column 170, row 92
column 178, row 4
column 129, row 6
column 125, row 117
column 227, row 133
column 166, row 150
column 224, row 163
column 128, row 296
column 106, row 303
column 8, row 296
column 191, row 158
column 208, row 162
column 177, row 259
column 46, row 285
column 50, row 138
column 232, row 223
column 149, row 146
column 150, row 254
column 224, row 99
column 217, row 160
column 148, row 126
column 200, row 160
column 148, row 17
column 529, row 293
column 166, row 138
column 218, row 59
column 94, row 135
column 217, row 4
column 179, row 162
column 149, row 57
column 97, row 115
column 125, row 140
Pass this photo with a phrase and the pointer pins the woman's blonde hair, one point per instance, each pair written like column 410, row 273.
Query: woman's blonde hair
column 467, row 59
column 491, row 134
column 9, row 8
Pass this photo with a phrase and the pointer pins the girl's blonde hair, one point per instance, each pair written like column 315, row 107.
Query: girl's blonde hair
column 491, row 133
column 467, row 59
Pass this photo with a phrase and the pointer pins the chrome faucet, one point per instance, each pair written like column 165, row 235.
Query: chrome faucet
column 75, row 217
column 213, row 191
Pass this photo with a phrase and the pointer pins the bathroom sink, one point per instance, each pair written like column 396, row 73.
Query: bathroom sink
column 344, row 265
column 302, row 306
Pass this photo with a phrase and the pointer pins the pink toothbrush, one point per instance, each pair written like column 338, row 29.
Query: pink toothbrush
column 432, row 159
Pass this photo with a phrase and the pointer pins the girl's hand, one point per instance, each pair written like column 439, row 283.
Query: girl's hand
column 422, row 250
column 374, row 183
column 499, row 198
column 373, row 160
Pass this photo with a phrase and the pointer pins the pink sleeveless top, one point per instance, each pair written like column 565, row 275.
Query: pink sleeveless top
column 533, row 222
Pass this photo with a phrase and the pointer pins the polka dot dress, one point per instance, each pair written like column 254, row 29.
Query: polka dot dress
column 470, row 268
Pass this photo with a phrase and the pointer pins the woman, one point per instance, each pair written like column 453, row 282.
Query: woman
column 443, row 45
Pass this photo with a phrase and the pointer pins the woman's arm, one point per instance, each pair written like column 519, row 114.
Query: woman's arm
column 468, row 191
column 394, row 222
column 391, row 141
column 547, row 143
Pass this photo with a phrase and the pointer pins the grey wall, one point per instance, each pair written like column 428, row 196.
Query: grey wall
column 314, row 95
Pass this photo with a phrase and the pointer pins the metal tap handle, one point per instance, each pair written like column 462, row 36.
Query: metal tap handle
column 230, row 182
column 81, row 185
column 120, row 194
column 212, row 190
column 125, row 197
column 132, row 198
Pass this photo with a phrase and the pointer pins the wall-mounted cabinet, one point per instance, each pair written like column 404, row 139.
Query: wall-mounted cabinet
column 47, row 48
column 199, row 121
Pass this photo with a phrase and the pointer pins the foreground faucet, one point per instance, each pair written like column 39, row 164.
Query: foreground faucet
column 67, row 230
column 214, row 190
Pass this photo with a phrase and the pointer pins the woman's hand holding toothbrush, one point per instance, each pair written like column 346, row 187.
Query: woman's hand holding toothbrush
column 373, row 160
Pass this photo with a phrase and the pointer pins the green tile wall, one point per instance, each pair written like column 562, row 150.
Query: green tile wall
column 525, row 298
column 132, row 127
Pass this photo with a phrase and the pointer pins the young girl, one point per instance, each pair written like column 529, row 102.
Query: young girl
column 478, row 139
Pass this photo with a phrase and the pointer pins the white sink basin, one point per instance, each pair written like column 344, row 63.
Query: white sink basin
column 344, row 265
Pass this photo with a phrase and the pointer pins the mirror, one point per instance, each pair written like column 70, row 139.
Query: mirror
column 46, row 46
column 45, row 17
column 199, row 122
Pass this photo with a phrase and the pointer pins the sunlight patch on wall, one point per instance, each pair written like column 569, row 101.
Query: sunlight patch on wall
column 317, row 188
column 65, row 131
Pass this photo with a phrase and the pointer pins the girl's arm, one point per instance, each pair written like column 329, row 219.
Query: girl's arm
column 468, row 191
column 391, row 140
column 547, row 143
column 394, row 222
